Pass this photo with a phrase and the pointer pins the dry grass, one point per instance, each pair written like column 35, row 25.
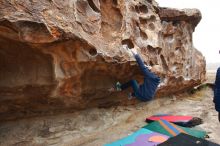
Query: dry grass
column 198, row 95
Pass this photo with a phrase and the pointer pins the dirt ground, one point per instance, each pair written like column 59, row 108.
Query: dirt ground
column 95, row 127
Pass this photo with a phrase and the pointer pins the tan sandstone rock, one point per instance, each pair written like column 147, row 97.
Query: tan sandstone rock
column 60, row 56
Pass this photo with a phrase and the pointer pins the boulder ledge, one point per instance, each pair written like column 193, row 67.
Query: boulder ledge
column 61, row 56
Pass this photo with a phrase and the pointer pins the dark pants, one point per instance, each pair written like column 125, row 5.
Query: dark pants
column 133, row 84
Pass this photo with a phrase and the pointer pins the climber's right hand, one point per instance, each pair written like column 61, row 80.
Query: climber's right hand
column 134, row 51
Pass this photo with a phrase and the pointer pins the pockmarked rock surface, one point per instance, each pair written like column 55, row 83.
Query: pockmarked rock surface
column 58, row 56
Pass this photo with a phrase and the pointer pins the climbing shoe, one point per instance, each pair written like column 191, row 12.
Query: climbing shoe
column 118, row 86
column 130, row 96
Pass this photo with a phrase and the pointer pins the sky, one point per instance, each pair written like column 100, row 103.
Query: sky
column 206, row 37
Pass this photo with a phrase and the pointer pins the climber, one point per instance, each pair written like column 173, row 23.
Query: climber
column 145, row 91
column 217, row 93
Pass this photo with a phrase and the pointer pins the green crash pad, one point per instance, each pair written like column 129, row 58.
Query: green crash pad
column 170, row 129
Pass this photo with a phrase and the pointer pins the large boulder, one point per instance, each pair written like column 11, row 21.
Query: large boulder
column 58, row 56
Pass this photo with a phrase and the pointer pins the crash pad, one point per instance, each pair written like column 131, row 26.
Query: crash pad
column 187, row 140
column 185, row 121
column 170, row 129
column 142, row 137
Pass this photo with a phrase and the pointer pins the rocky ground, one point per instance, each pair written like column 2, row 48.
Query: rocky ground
column 96, row 127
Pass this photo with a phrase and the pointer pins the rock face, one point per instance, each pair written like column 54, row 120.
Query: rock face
column 58, row 56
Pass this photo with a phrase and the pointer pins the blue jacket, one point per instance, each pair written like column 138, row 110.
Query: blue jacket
column 217, row 91
column 151, row 81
